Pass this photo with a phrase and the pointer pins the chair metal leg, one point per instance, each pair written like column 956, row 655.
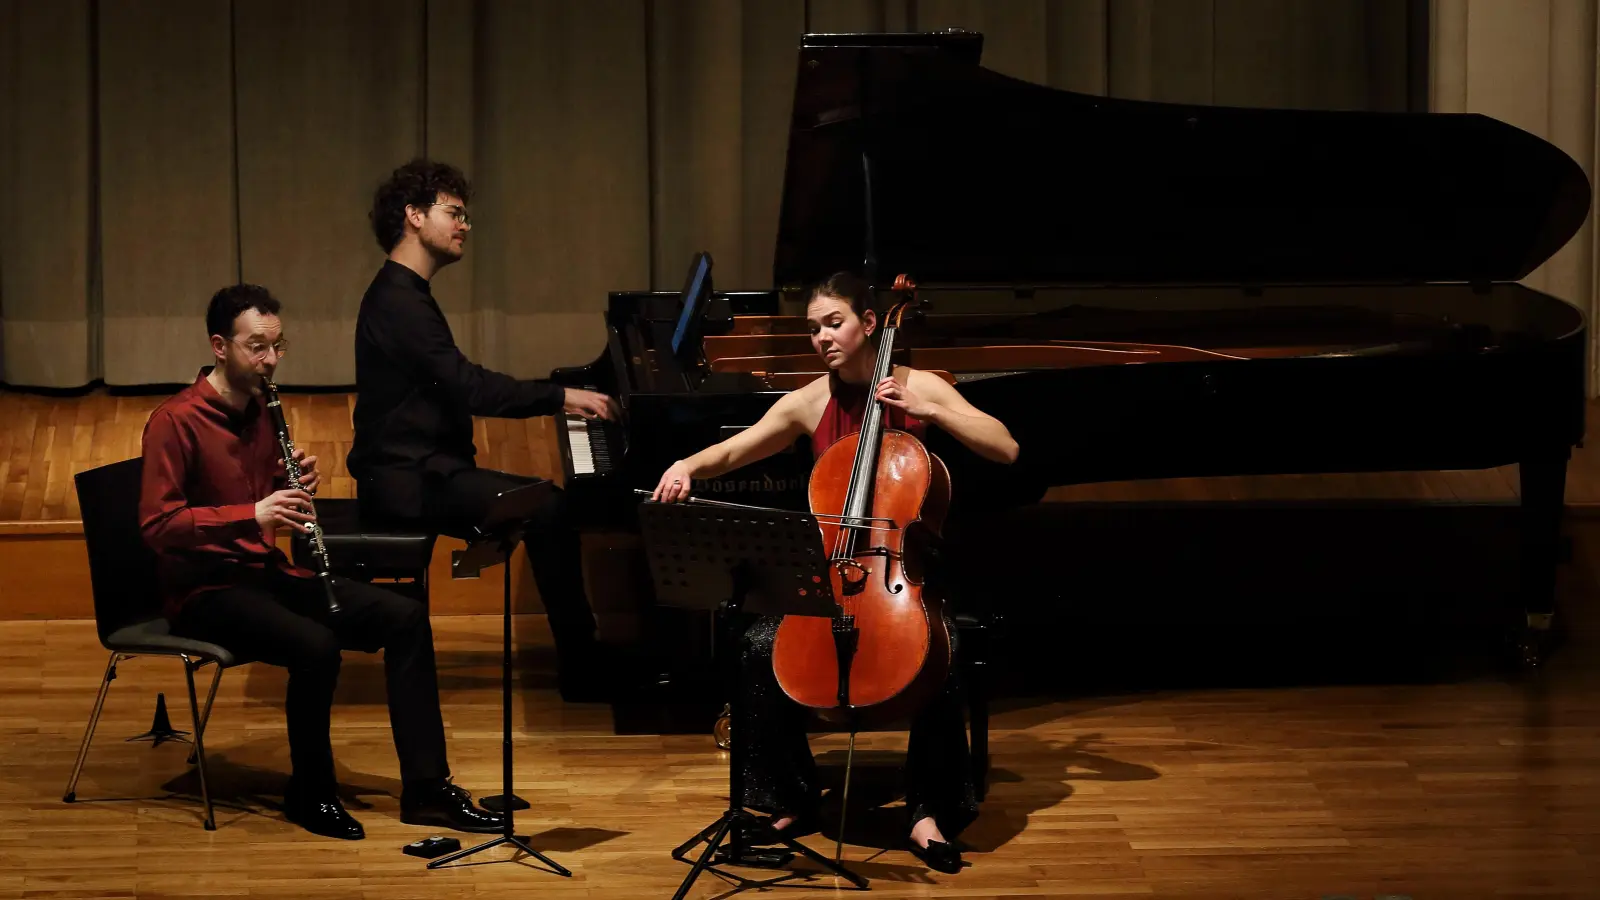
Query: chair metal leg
column 94, row 719
column 189, row 665
column 205, row 714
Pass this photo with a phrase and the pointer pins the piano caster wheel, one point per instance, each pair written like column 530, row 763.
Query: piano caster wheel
column 722, row 730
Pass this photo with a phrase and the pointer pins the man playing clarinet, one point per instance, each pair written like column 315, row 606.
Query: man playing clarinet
column 213, row 498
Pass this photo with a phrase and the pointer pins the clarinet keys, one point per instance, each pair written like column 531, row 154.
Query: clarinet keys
column 292, row 468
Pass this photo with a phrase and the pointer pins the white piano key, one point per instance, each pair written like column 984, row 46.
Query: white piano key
column 579, row 445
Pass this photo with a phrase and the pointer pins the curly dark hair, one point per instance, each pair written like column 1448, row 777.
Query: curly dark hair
column 417, row 183
column 227, row 305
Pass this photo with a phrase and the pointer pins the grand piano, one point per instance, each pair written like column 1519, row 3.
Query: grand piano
column 1138, row 290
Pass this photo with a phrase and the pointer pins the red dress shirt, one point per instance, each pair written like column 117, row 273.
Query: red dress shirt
column 206, row 465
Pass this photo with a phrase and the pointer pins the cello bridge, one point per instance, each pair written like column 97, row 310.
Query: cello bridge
column 852, row 575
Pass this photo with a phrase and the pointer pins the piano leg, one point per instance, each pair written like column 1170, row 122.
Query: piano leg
column 1544, row 480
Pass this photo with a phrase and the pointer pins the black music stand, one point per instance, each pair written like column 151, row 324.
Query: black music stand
column 492, row 543
column 767, row 561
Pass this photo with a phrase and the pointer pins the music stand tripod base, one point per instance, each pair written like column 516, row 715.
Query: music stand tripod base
column 498, row 535
column 764, row 561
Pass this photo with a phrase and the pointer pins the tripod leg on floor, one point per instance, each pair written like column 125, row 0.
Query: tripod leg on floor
column 704, row 835
column 723, row 824
column 521, row 845
column 831, row 865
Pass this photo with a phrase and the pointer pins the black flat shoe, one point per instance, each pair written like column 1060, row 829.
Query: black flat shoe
column 760, row 833
column 938, row 855
column 447, row 806
column 321, row 814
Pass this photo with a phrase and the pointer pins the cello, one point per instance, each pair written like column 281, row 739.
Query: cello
column 878, row 496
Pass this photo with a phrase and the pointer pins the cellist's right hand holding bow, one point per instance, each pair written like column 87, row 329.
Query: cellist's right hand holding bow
column 674, row 484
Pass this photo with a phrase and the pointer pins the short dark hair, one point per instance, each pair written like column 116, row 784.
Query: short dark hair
column 228, row 303
column 846, row 286
column 417, row 183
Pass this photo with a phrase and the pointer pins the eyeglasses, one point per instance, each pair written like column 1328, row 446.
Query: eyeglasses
column 258, row 350
column 460, row 214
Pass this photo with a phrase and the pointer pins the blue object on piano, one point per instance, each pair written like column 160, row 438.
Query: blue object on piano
column 696, row 291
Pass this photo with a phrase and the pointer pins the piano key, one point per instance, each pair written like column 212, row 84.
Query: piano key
column 587, row 445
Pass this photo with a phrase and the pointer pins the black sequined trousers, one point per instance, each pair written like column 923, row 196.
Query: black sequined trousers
column 780, row 773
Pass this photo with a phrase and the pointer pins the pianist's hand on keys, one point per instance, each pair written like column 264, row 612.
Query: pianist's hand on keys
column 590, row 405
column 588, row 445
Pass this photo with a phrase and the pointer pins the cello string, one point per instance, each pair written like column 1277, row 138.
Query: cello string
column 870, row 425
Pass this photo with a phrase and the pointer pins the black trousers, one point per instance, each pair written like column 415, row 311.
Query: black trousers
column 283, row 620
column 780, row 773
column 453, row 505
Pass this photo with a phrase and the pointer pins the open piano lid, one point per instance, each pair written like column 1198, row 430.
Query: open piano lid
column 907, row 156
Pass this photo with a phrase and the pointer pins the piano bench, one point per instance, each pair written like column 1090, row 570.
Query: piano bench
column 363, row 551
column 976, row 633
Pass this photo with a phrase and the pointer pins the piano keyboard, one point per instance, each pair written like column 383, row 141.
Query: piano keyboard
column 589, row 445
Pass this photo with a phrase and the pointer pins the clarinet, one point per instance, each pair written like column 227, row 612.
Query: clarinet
column 313, row 528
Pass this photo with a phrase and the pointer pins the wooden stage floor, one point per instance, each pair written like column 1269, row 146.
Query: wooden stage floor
column 1469, row 785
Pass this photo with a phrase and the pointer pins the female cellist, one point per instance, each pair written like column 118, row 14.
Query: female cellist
column 780, row 775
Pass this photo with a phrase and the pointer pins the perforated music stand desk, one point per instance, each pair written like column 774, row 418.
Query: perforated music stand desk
column 763, row 561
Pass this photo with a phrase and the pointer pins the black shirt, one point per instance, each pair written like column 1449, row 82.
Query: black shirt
column 417, row 394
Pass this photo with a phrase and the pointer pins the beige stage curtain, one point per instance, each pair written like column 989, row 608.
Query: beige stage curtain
column 1530, row 63
column 153, row 152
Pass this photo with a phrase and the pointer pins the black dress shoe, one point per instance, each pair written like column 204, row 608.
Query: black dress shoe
column 938, row 856
column 447, row 806
column 320, row 813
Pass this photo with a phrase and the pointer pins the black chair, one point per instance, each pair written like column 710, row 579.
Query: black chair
column 979, row 633
column 127, row 605
column 363, row 550
column 978, row 628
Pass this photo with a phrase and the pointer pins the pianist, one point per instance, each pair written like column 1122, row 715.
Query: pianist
column 413, row 457
column 780, row 776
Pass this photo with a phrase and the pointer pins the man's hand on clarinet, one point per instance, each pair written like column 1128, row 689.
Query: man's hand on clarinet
column 590, row 405
column 674, row 484
column 310, row 475
column 287, row 508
